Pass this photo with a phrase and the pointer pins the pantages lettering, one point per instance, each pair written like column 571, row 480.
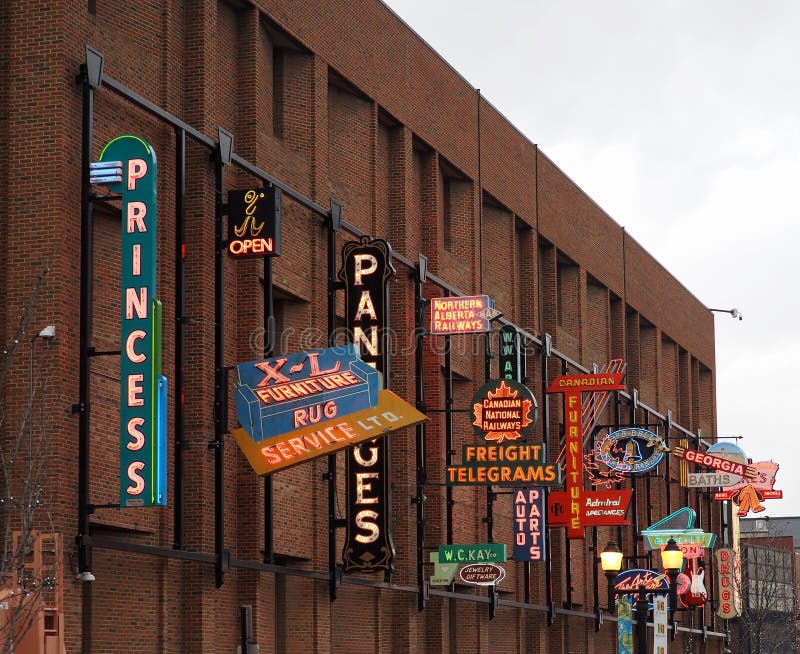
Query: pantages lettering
column 365, row 272
column 572, row 387
column 143, row 387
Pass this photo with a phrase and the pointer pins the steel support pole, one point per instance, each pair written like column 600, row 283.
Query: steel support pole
column 87, row 249
column 641, row 621
column 178, row 529
column 268, row 351
column 333, row 224
column 487, row 375
column 548, row 571
column 421, row 471
column 220, row 379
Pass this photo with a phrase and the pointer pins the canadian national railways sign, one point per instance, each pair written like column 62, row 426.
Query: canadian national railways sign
column 504, row 410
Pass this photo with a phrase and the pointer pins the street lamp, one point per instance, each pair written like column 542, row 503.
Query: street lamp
column 735, row 313
column 672, row 560
column 611, row 562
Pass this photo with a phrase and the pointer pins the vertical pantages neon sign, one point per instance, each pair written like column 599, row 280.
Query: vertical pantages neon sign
column 366, row 270
column 572, row 388
column 143, row 396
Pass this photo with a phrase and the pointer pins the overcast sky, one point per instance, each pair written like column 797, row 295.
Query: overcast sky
column 681, row 119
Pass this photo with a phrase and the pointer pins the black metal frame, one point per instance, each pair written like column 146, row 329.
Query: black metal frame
column 91, row 80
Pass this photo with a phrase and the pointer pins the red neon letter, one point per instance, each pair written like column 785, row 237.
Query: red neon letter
column 133, row 474
column 137, row 168
column 133, row 431
column 135, row 335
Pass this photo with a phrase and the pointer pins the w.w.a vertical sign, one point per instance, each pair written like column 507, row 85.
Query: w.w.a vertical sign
column 366, row 270
column 512, row 360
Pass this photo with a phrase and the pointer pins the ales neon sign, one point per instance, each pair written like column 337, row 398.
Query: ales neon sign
column 143, row 401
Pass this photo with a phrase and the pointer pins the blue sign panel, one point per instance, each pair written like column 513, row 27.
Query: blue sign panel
column 529, row 525
column 279, row 395
column 631, row 450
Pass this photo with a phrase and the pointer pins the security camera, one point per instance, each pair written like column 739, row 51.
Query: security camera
column 48, row 332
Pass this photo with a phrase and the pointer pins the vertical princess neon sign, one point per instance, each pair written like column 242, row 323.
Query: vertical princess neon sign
column 143, row 391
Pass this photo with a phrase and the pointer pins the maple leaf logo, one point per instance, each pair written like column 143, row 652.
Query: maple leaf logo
column 502, row 421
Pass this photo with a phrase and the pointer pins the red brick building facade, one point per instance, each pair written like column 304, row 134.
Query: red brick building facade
column 332, row 101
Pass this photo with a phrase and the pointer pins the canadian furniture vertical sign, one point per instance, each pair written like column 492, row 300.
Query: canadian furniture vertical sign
column 143, row 396
column 572, row 388
column 366, row 270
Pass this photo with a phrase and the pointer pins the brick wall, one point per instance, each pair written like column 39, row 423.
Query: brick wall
column 337, row 100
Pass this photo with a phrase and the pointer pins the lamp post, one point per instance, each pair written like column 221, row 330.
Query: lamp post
column 672, row 560
column 735, row 313
column 611, row 562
